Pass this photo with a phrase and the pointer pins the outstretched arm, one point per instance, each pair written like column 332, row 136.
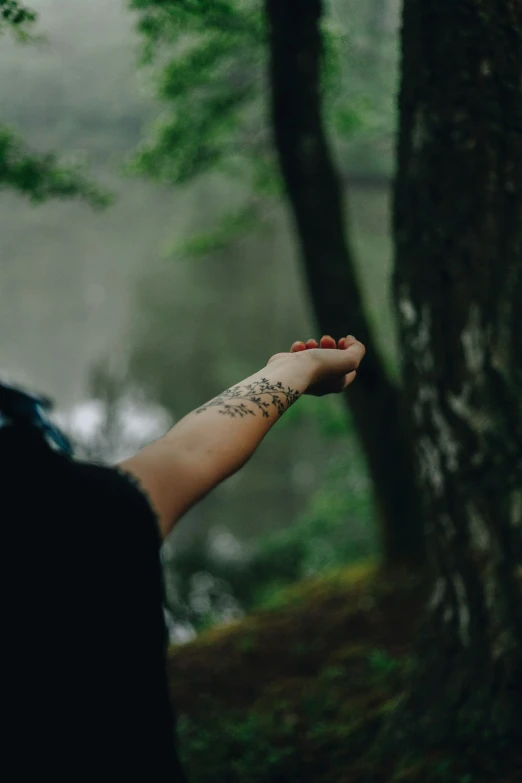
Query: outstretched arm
column 215, row 440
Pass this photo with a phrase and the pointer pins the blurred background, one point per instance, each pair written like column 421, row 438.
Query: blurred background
column 131, row 316
column 199, row 185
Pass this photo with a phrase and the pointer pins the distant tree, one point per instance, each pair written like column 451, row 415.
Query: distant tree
column 213, row 60
column 316, row 198
column 38, row 176
column 210, row 69
column 458, row 234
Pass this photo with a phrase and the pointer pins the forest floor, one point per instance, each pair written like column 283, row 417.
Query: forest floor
column 299, row 691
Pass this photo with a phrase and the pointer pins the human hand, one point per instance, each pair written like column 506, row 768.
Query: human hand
column 332, row 366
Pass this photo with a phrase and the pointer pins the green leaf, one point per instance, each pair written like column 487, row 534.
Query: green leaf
column 42, row 176
column 232, row 227
column 13, row 13
column 194, row 140
column 349, row 120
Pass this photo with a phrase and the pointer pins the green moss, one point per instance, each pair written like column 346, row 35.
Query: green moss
column 246, row 643
column 300, row 693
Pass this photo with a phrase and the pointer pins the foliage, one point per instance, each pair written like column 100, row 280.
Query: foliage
column 336, row 529
column 244, row 748
column 209, row 66
column 38, row 176
column 233, row 225
column 300, row 693
column 43, row 176
column 296, row 719
column 15, row 15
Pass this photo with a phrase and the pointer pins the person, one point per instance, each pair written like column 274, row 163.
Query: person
column 84, row 686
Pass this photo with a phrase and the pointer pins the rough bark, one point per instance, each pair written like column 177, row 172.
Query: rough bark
column 318, row 211
column 458, row 234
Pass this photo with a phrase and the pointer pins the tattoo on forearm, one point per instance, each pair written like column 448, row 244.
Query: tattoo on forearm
column 262, row 394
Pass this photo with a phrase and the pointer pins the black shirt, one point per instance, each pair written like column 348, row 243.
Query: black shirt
column 84, row 690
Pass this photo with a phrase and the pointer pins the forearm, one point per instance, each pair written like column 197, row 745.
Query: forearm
column 215, row 440
column 223, row 433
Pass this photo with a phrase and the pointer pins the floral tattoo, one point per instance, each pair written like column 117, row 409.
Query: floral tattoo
column 262, row 394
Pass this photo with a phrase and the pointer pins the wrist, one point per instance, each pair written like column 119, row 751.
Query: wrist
column 298, row 369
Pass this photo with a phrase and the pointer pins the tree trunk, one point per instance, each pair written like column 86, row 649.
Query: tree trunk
column 318, row 211
column 458, row 234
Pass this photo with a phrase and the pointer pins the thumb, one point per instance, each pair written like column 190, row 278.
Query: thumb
column 349, row 358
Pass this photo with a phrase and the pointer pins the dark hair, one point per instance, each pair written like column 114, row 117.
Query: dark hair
column 20, row 408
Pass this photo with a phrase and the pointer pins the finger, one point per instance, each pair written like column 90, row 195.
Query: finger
column 327, row 342
column 297, row 346
column 312, row 344
column 349, row 340
column 341, row 342
column 349, row 379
